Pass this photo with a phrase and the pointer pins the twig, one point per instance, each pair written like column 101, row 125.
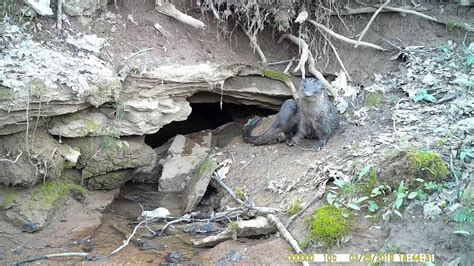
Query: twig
column 304, row 52
column 311, row 65
column 16, row 160
column 137, row 53
column 263, row 210
column 289, row 238
column 319, row 195
column 59, row 15
column 458, row 186
column 337, row 55
column 255, row 46
column 241, row 168
column 50, row 256
column 345, row 39
column 361, row 35
column 283, row 62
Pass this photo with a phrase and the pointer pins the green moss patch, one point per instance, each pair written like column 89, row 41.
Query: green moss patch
column 293, row 207
column 329, row 225
column 47, row 194
column 374, row 99
column 427, row 165
column 6, row 94
column 271, row 74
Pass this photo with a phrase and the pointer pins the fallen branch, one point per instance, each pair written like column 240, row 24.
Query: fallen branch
column 361, row 35
column 311, row 65
column 345, row 39
column 170, row 10
column 289, row 238
column 56, row 255
column 319, row 194
column 255, row 46
column 263, row 210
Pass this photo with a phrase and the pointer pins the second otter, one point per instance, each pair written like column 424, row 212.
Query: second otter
column 314, row 116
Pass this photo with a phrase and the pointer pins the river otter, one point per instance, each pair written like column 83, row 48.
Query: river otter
column 315, row 116
column 284, row 126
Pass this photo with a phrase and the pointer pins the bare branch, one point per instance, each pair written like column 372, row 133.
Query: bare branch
column 361, row 35
column 170, row 10
column 345, row 39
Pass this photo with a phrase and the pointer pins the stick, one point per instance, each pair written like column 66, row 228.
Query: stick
column 345, row 39
column 254, row 44
column 282, row 62
column 319, row 195
column 311, row 65
column 337, row 56
column 289, row 238
column 304, row 52
column 170, row 10
column 361, row 35
column 264, row 210
column 59, row 15
column 137, row 53
column 50, row 256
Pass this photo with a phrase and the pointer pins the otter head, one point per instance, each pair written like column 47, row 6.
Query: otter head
column 310, row 88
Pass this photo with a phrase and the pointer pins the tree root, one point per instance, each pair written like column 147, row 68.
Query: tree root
column 170, row 10
column 255, row 46
column 368, row 10
column 361, row 35
column 50, row 256
column 311, row 65
column 345, row 39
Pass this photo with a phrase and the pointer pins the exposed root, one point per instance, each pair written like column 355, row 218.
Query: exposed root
column 304, row 52
column 254, row 45
column 368, row 10
column 10, row 161
column 59, row 15
column 311, row 65
column 345, row 39
column 361, row 35
column 170, row 10
column 337, row 56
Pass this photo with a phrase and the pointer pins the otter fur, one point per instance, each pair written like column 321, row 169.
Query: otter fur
column 313, row 116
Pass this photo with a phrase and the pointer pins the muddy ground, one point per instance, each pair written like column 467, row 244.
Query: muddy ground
column 269, row 175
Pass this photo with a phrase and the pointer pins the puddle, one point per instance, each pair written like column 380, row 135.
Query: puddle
column 123, row 213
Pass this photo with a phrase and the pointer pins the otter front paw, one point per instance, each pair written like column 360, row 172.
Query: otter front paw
column 292, row 142
column 319, row 145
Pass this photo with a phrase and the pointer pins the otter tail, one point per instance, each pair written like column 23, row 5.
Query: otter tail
column 271, row 136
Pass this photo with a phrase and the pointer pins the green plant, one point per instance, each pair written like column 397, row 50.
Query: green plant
column 463, row 214
column 427, row 165
column 293, row 207
column 373, row 99
column 240, row 194
column 329, row 225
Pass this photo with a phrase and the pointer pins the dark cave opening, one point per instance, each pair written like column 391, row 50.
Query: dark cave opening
column 206, row 116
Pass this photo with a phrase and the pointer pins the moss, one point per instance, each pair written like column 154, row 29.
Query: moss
column 368, row 182
column 440, row 143
column 45, row 195
column 91, row 126
column 293, row 207
column 240, row 194
column 427, row 165
column 7, row 199
column 451, row 25
column 233, row 226
column 271, row 74
column 373, row 99
column 6, row 94
column 207, row 166
column 329, row 225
